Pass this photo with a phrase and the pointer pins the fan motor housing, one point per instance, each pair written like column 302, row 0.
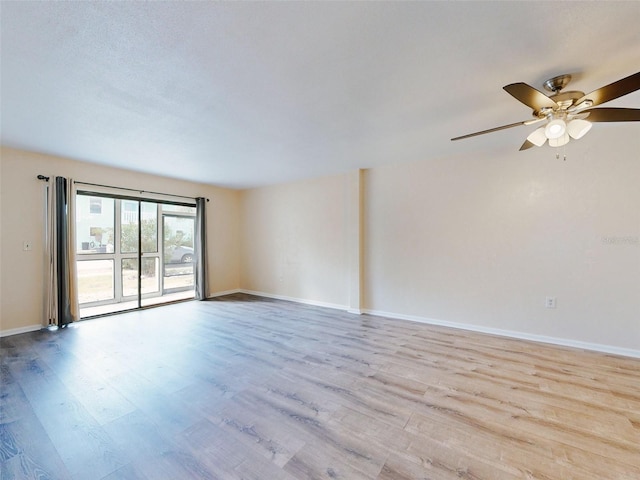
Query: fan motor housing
column 556, row 84
column 568, row 98
column 563, row 99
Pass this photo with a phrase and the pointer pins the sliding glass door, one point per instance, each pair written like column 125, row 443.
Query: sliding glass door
column 178, row 252
column 132, row 253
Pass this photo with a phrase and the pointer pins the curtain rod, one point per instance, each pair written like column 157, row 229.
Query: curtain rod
column 46, row 179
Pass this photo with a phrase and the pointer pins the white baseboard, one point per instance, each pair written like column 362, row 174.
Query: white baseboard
column 565, row 342
column 19, row 330
column 226, row 292
column 315, row 303
column 625, row 352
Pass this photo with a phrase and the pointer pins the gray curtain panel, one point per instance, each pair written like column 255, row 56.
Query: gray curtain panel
column 201, row 249
column 65, row 259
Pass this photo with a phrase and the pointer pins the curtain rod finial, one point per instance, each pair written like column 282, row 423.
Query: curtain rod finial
column 42, row 177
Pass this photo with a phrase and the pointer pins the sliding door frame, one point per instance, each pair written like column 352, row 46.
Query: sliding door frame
column 117, row 256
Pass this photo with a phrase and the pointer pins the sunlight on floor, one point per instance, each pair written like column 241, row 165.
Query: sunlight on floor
column 118, row 307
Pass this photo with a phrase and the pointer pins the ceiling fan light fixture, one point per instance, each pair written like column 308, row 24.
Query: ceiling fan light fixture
column 560, row 141
column 578, row 128
column 537, row 137
column 555, row 129
column 563, row 112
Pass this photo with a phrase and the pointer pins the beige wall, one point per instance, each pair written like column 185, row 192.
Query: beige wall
column 476, row 241
column 22, row 216
column 482, row 241
column 295, row 240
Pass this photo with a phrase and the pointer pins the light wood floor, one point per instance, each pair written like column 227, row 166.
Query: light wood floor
column 250, row 388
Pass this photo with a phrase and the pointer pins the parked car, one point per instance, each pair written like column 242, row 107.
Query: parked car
column 182, row 255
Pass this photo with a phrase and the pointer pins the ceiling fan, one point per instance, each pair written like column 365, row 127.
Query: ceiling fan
column 567, row 114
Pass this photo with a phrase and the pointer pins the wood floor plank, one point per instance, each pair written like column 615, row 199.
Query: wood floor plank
column 128, row 472
column 243, row 387
column 168, row 415
column 153, row 452
column 218, row 453
column 138, row 435
column 26, row 452
column 88, row 385
column 77, row 437
column 174, row 464
column 246, row 421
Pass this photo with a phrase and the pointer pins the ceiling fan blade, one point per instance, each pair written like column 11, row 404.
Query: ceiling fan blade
column 613, row 90
column 530, row 96
column 613, row 114
column 503, row 127
column 527, row 145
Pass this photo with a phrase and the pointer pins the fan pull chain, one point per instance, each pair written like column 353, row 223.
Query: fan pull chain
column 564, row 154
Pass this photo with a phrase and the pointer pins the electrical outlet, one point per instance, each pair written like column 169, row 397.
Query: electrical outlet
column 26, row 246
column 550, row 302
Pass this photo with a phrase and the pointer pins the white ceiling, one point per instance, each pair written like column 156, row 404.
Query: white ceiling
column 244, row 94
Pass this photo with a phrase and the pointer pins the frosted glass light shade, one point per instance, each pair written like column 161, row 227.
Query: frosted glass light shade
column 537, row 137
column 578, row 128
column 559, row 142
column 555, row 129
